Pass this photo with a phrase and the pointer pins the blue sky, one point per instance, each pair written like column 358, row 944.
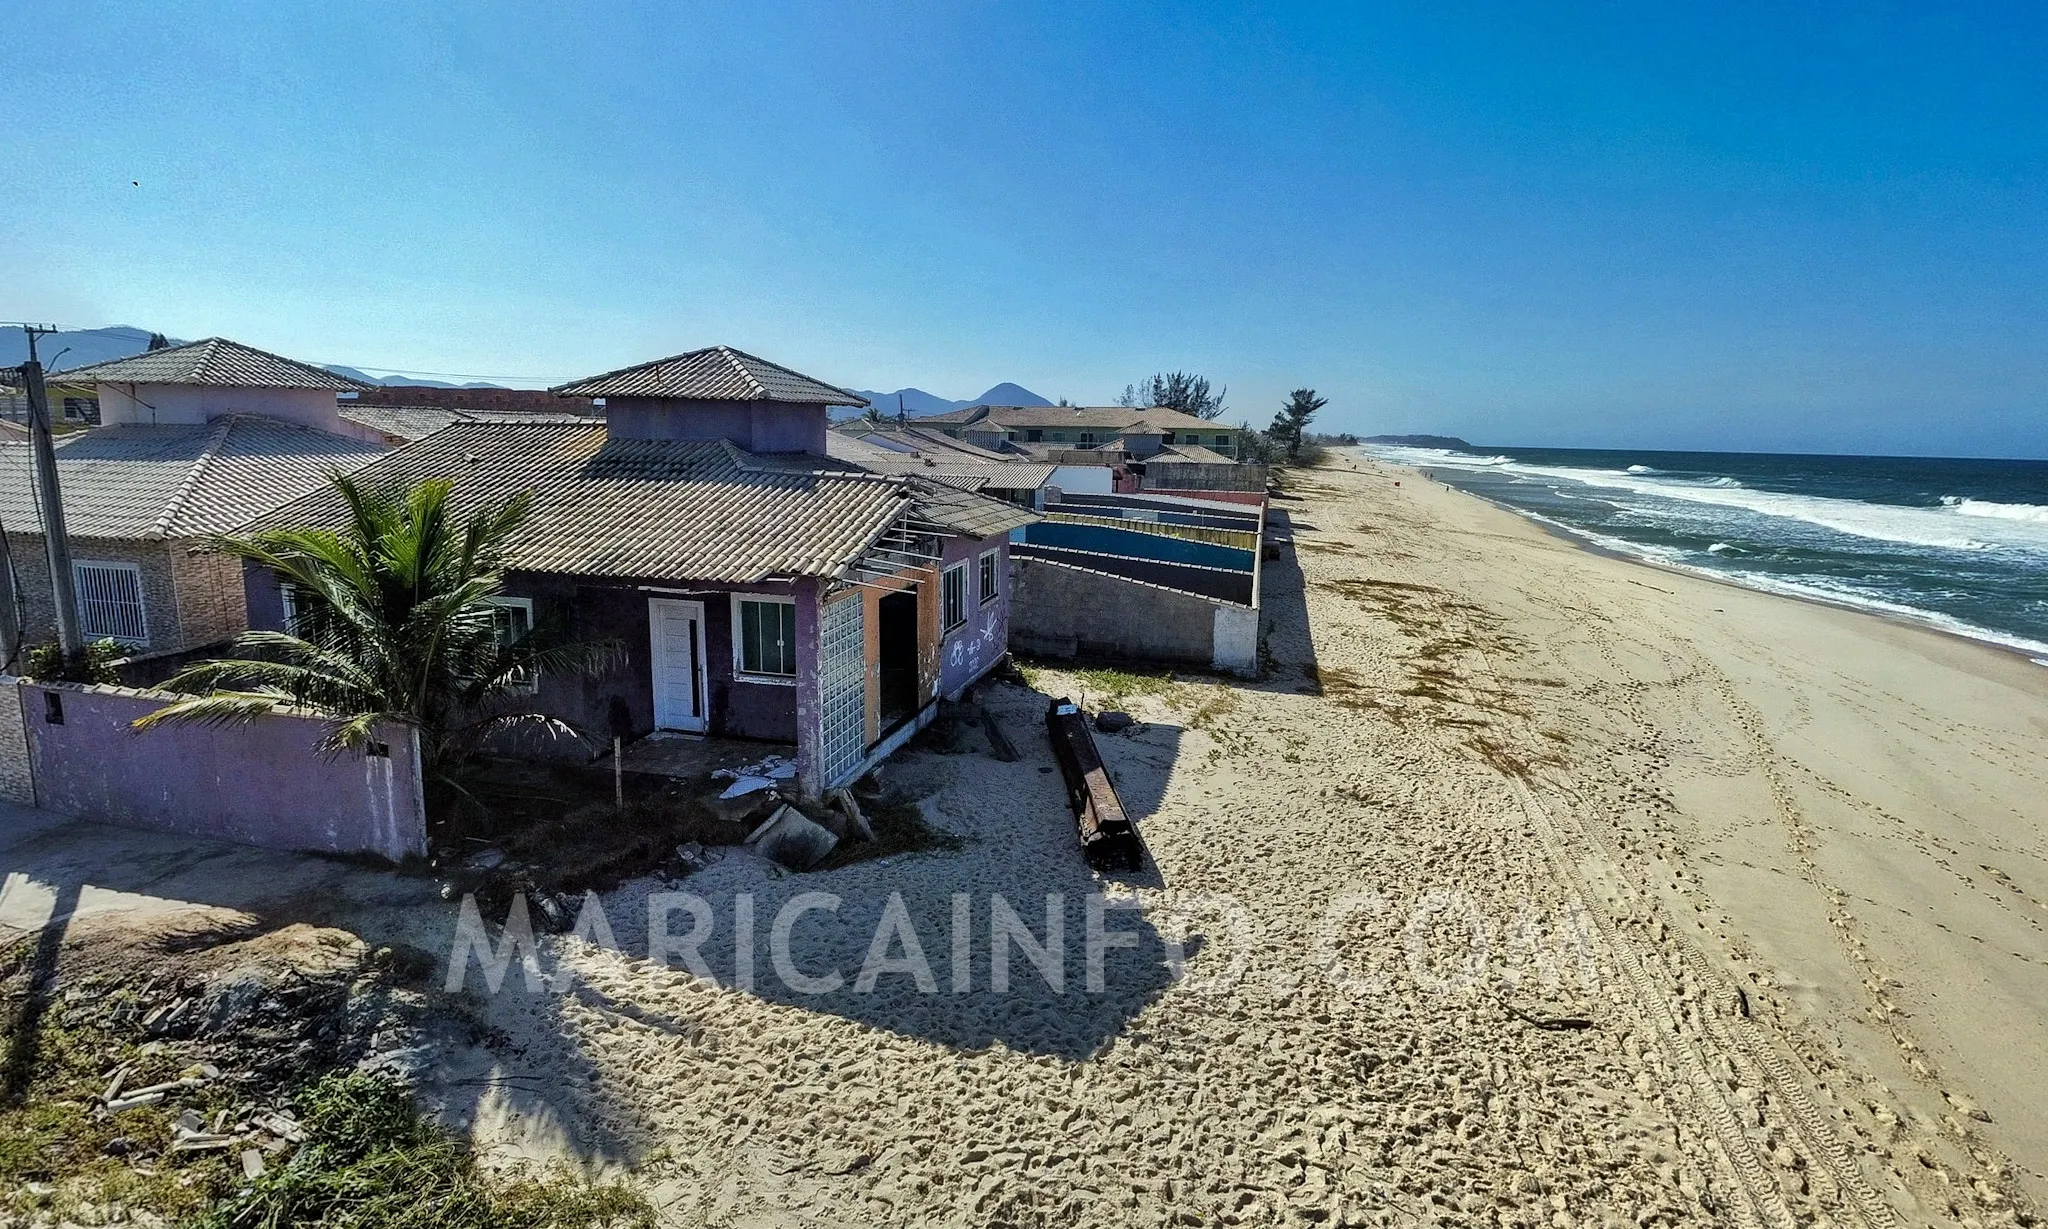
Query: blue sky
column 1807, row 227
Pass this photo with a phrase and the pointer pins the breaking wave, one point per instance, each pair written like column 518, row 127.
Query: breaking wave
column 2024, row 527
column 1964, row 506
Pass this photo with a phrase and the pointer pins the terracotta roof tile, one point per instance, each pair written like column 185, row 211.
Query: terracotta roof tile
column 215, row 360
column 652, row 509
column 177, row 482
column 717, row 373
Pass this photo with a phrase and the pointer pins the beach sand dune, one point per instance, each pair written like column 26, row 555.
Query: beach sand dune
column 1527, row 887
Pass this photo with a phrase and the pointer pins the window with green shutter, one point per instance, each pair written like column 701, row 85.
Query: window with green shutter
column 764, row 636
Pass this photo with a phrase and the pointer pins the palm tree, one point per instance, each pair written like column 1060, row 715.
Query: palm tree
column 393, row 622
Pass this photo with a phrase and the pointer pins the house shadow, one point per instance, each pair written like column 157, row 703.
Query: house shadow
column 1018, row 942
column 1011, row 939
column 1287, row 649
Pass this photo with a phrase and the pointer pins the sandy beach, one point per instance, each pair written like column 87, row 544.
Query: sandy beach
column 1529, row 887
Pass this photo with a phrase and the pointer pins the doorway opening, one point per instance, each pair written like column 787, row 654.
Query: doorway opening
column 896, row 632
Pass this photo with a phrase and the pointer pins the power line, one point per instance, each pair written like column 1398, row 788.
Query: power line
column 453, row 375
column 396, row 371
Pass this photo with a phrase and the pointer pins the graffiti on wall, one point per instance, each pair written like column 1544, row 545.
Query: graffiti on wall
column 975, row 647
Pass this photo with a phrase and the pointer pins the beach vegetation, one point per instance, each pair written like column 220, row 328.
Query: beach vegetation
column 1176, row 390
column 1291, row 422
column 371, row 1159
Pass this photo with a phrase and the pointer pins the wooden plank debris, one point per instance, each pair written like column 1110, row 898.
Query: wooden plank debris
column 1109, row 839
column 999, row 744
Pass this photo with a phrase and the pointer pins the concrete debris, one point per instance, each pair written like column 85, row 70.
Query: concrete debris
column 696, row 857
column 791, row 839
column 773, row 767
column 844, row 801
column 747, row 785
column 282, row 1125
column 252, row 1163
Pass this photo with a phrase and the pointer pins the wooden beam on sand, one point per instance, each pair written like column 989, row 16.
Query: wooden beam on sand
column 1109, row 840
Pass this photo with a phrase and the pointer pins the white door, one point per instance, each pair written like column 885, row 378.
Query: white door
column 677, row 631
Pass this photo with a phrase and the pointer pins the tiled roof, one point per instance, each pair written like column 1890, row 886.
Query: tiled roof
column 1121, row 419
column 965, row 513
column 649, row 509
column 952, row 468
column 1192, row 453
column 177, row 482
column 927, row 440
column 717, row 373
column 215, row 360
column 413, row 422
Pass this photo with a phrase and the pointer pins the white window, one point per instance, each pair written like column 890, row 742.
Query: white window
column 953, row 596
column 988, row 576
column 513, row 617
column 764, row 638
column 110, row 601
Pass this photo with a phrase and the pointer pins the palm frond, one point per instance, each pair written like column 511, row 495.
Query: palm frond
column 220, row 708
column 396, row 625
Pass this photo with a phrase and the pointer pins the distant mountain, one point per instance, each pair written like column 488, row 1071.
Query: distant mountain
column 76, row 348
column 84, row 347
column 1418, row 441
column 406, row 381
column 918, row 403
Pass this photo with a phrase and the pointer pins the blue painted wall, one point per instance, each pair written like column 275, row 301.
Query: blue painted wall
column 1137, row 545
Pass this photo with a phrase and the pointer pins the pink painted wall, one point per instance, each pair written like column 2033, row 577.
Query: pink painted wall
column 264, row 783
column 967, row 652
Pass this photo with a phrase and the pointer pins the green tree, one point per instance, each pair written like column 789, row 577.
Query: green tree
column 1293, row 419
column 393, row 622
column 1176, row 390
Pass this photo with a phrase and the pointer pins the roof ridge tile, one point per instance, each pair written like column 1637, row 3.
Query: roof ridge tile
column 161, row 527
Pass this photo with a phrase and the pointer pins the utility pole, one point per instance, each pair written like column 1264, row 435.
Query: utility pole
column 58, row 543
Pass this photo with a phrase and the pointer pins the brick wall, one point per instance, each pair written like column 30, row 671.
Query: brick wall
column 211, row 605
column 510, row 400
column 17, row 782
column 159, row 590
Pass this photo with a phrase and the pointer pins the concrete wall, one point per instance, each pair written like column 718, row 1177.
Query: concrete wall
column 1082, row 479
column 1061, row 611
column 757, row 426
column 264, row 783
column 1224, row 584
column 189, row 404
column 1193, row 476
column 1248, row 498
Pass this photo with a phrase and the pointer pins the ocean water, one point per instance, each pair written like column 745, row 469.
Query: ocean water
column 1961, row 545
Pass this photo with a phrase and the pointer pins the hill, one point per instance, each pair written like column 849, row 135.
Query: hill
column 1418, row 441
column 74, row 347
column 918, row 403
